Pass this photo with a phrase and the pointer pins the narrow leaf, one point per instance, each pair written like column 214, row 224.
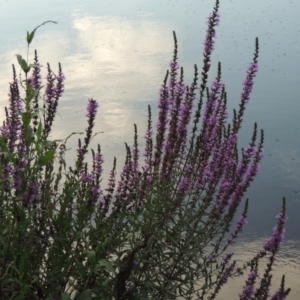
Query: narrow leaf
column 91, row 256
column 85, row 295
column 3, row 145
column 30, row 36
column 65, row 297
column 80, row 268
column 39, row 131
column 23, row 63
column 26, row 118
column 46, row 158
column 106, row 264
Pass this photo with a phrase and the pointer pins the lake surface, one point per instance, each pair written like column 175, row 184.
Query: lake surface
column 118, row 52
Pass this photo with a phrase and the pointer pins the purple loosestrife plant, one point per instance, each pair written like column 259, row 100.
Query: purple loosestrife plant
column 163, row 228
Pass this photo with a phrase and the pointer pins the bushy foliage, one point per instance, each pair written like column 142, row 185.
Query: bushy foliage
column 163, row 230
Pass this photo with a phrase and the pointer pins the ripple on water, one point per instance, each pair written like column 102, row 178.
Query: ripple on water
column 287, row 263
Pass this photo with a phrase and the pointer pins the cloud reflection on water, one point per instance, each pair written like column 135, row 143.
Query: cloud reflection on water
column 119, row 62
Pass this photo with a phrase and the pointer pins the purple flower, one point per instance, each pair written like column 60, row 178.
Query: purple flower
column 95, row 190
column 5, row 176
column 211, row 258
column 279, row 295
column 249, row 289
column 148, row 148
column 241, row 223
column 101, row 201
column 212, row 21
column 50, row 88
column 54, row 90
column 87, row 177
column 110, row 187
column 60, row 87
column 97, row 164
column 184, row 185
column 36, row 78
column 16, row 174
column 52, row 94
column 277, row 237
column 248, row 82
column 32, row 194
column 163, row 107
column 247, row 88
column 92, row 108
column 227, row 257
column 185, row 115
column 91, row 115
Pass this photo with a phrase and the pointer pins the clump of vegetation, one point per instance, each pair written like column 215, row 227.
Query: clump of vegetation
column 164, row 229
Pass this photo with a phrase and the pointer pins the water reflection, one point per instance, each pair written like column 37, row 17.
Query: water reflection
column 102, row 58
column 287, row 263
column 107, row 65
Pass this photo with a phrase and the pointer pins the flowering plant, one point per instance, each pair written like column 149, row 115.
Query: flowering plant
column 163, row 230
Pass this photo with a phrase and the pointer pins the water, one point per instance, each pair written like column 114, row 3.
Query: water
column 118, row 52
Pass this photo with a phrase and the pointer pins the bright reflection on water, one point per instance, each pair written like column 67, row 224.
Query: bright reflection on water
column 118, row 52
column 288, row 263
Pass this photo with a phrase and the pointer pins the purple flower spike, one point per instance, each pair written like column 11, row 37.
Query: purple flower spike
column 87, row 177
column 50, row 88
column 281, row 293
column 212, row 22
column 211, row 258
column 277, row 238
column 249, row 289
column 32, row 194
column 184, row 185
column 98, row 161
column 36, row 78
column 247, row 87
column 278, row 296
column 248, row 81
column 163, row 107
column 60, row 87
column 91, row 115
column 227, row 257
column 92, row 108
column 241, row 223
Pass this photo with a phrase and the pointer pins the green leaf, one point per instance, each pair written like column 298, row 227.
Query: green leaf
column 102, row 245
column 23, row 265
column 23, row 63
column 38, row 149
column 91, row 256
column 31, row 94
column 85, row 295
column 46, row 158
column 80, row 268
column 65, row 297
column 39, row 131
column 35, row 278
column 3, row 144
column 26, row 118
column 8, row 281
column 106, row 264
column 28, row 135
column 29, row 37
column 47, row 143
